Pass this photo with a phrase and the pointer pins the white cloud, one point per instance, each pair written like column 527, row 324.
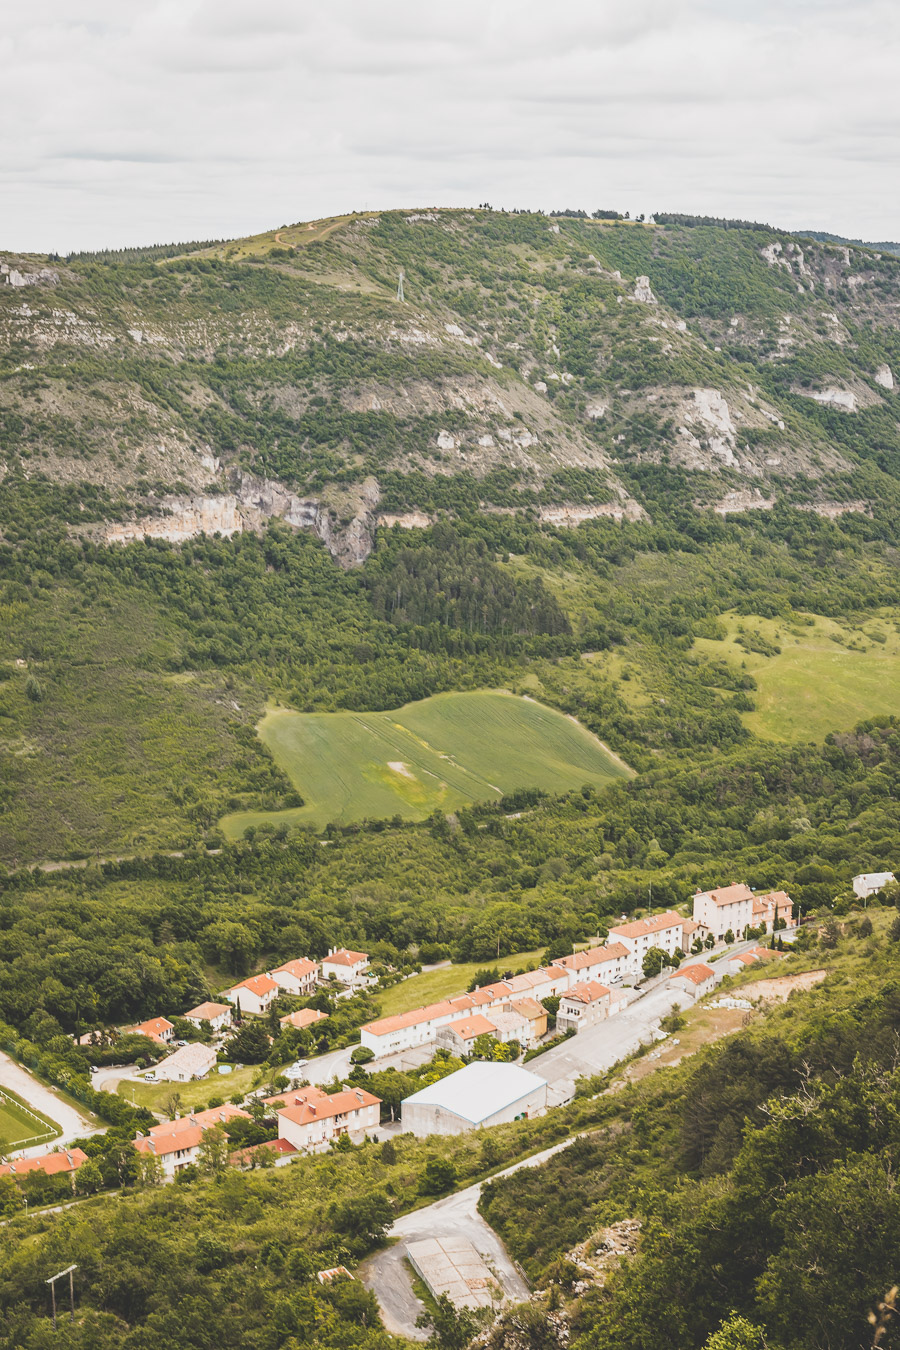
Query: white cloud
column 135, row 122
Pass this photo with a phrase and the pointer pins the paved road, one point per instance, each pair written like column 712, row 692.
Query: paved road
column 598, row 1048
column 70, row 1119
column 388, row 1276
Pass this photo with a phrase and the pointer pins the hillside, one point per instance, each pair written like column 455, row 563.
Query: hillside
column 534, row 363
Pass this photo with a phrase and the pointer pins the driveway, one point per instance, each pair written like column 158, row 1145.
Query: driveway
column 71, row 1121
column 388, row 1276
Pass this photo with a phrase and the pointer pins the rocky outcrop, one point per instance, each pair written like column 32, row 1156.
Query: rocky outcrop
column 252, row 504
column 570, row 516
column 831, row 397
column 709, row 415
column 885, row 377
column 749, row 500
column 643, row 292
column 11, row 276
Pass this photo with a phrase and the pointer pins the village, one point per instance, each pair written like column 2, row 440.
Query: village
column 491, row 1031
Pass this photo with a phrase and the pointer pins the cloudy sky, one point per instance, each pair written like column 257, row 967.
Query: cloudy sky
column 142, row 121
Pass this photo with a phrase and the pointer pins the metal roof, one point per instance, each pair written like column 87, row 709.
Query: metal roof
column 479, row 1090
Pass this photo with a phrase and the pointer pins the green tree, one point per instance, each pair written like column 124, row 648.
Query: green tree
column 452, row 1328
column 439, row 1176
column 654, row 961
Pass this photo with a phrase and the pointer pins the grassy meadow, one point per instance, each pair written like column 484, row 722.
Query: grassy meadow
column 827, row 676
column 21, row 1125
column 440, row 753
column 433, row 985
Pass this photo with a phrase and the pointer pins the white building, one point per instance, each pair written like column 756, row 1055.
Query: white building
column 311, row 1118
column 729, row 908
column 609, row 964
column 347, row 967
column 482, row 1094
column 188, row 1063
column 255, row 994
column 218, row 1015
column 297, row 977
column 584, row 1006
column 177, row 1142
column 695, row 980
column 661, row 930
column 869, row 883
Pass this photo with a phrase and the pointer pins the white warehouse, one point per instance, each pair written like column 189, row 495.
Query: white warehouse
column 483, row 1093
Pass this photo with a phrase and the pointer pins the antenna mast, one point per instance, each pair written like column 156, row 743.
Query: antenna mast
column 400, row 295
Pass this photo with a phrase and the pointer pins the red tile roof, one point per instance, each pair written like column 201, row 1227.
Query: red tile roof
column 729, row 895
column 154, row 1028
column 595, row 956
column 300, row 969
column 589, row 991
column 697, row 974
column 257, row 984
column 656, row 924
column 304, row 1017
column 66, row 1160
column 467, row 1028
column 343, row 957
column 205, row 1012
column 281, row 1147
column 313, row 1104
column 214, row 1115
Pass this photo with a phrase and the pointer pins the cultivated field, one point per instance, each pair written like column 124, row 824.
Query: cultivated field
column 20, row 1125
column 827, row 677
column 440, row 753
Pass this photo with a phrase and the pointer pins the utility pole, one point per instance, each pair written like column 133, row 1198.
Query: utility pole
column 69, row 1270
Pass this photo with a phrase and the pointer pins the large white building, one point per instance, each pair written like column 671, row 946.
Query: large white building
column 310, row 1118
column 661, row 930
column 584, row 1006
column 482, row 1094
column 609, row 964
column 728, row 908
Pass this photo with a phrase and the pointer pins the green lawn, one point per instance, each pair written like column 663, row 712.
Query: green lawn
column 827, row 677
column 21, row 1125
column 155, row 1095
column 440, row 753
column 437, row 984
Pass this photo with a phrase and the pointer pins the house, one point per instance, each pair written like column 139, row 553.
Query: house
column 177, row 1142
column 218, row 1015
column 190, row 1062
column 157, row 1028
column 660, row 930
column 695, row 980
column 584, row 1006
column 755, row 956
column 297, row 977
column 869, row 883
column 281, row 1151
column 304, row 1017
column 64, row 1162
column 311, row 1118
column 346, row 967
column 254, row 995
column 693, row 930
column 609, row 964
column 460, row 1036
column 730, row 908
column 535, row 1014
column 510, row 1025
column 483, row 1093
column 775, row 907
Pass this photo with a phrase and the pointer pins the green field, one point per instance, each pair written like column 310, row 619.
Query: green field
column 192, row 1095
column 434, row 985
column 827, row 677
column 440, row 753
column 21, row 1125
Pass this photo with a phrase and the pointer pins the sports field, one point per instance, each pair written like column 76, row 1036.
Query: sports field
column 20, row 1125
column 440, row 753
column 827, row 677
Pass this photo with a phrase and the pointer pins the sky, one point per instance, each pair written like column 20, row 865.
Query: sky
column 127, row 123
